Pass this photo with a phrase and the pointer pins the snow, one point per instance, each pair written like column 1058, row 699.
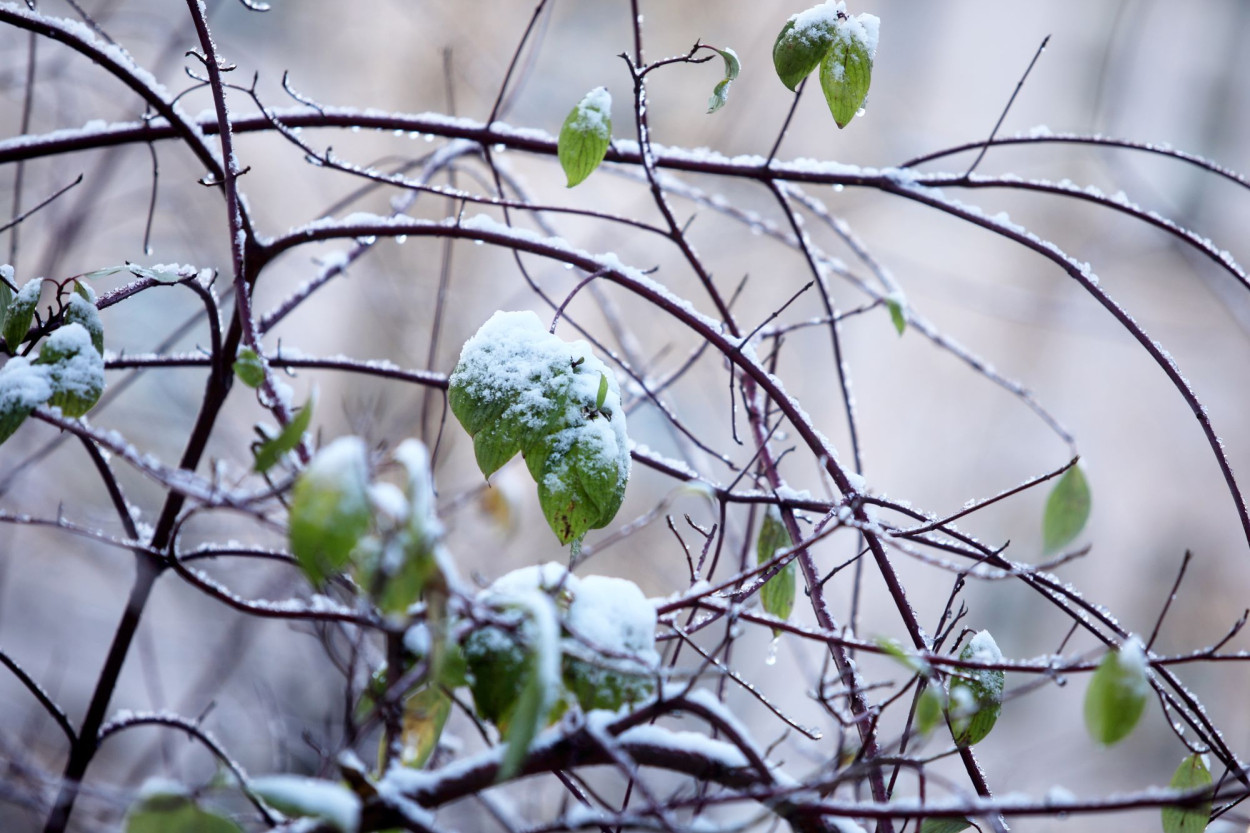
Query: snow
column 312, row 797
column 343, row 465
column 23, row 386
column 28, row 295
column 78, row 369
column 1133, row 660
column 613, row 615
column 594, row 113
column 389, row 500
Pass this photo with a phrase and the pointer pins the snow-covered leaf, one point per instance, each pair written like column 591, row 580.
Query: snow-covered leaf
column 1192, row 774
column 519, row 388
column 976, row 695
column 313, row 798
column 425, row 714
column 80, row 310
column 1067, row 510
column 330, row 509
column 720, row 94
column 585, row 136
column 74, row 369
column 23, row 387
column 249, row 368
column 803, row 42
column 846, row 69
column 610, row 655
column 21, row 312
column 777, row 594
column 271, row 450
column 1117, row 693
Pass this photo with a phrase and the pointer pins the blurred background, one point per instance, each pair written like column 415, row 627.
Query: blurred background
column 933, row 431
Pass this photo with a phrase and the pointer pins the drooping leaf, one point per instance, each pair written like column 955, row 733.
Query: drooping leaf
column 540, row 688
column 79, row 310
column 21, row 313
column 23, row 387
column 425, row 714
column 801, row 43
column 896, row 303
column 846, row 71
column 976, row 695
column 944, row 825
column 272, row 449
column 6, row 293
column 602, row 396
column 166, row 808
column 929, row 710
column 915, row 665
column 1117, row 693
column 249, row 368
column 585, row 136
column 581, row 474
column 777, row 594
column 330, row 509
column 313, row 798
column 720, row 94
column 1067, row 510
column 74, row 370
column 1192, row 774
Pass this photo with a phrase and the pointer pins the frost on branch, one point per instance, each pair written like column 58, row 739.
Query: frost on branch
column 519, row 388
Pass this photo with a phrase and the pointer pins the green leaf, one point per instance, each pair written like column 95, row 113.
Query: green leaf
column 585, row 136
column 249, row 367
column 80, row 310
column 896, row 303
column 720, row 94
column 1117, row 694
column 777, row 594
column 330, row 509
column 425, row 715
column 929, row 710
column 799, row 48
column 845, row 73
column 272, row 449
column 976, row 696
column 6, row 293
column 162, row 275
column 602, row 396
column 172, row 811
column 315, row 798
column 944, row 825
column 21, row 313
column 915, row 665
column 23, row 387
column 75, row 371
column 1192, row 774
column 1067, row 510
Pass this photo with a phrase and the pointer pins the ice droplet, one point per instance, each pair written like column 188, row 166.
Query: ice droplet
column 771, row 659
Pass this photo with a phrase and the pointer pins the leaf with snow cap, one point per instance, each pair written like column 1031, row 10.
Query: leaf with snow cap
column 610, row 655
column 21, row 312
column 249, row 367
column 164, row 806
column 1191, row 775
column 803, row 42
column 330, row 509
column 720, row 94
column 271, row 450
column 976, row 695
column 75, row 371
column 23, row 387
column 585, row 136
column 1067, row 510
column 846, row 69
column 311, row 798
column 1117, row 693
column 777, row 594
column 517, row 387
column 80, row 309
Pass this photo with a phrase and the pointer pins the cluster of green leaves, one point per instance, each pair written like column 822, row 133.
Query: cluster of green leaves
column 69, row 370
column 842, row 46
column 518, row 388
